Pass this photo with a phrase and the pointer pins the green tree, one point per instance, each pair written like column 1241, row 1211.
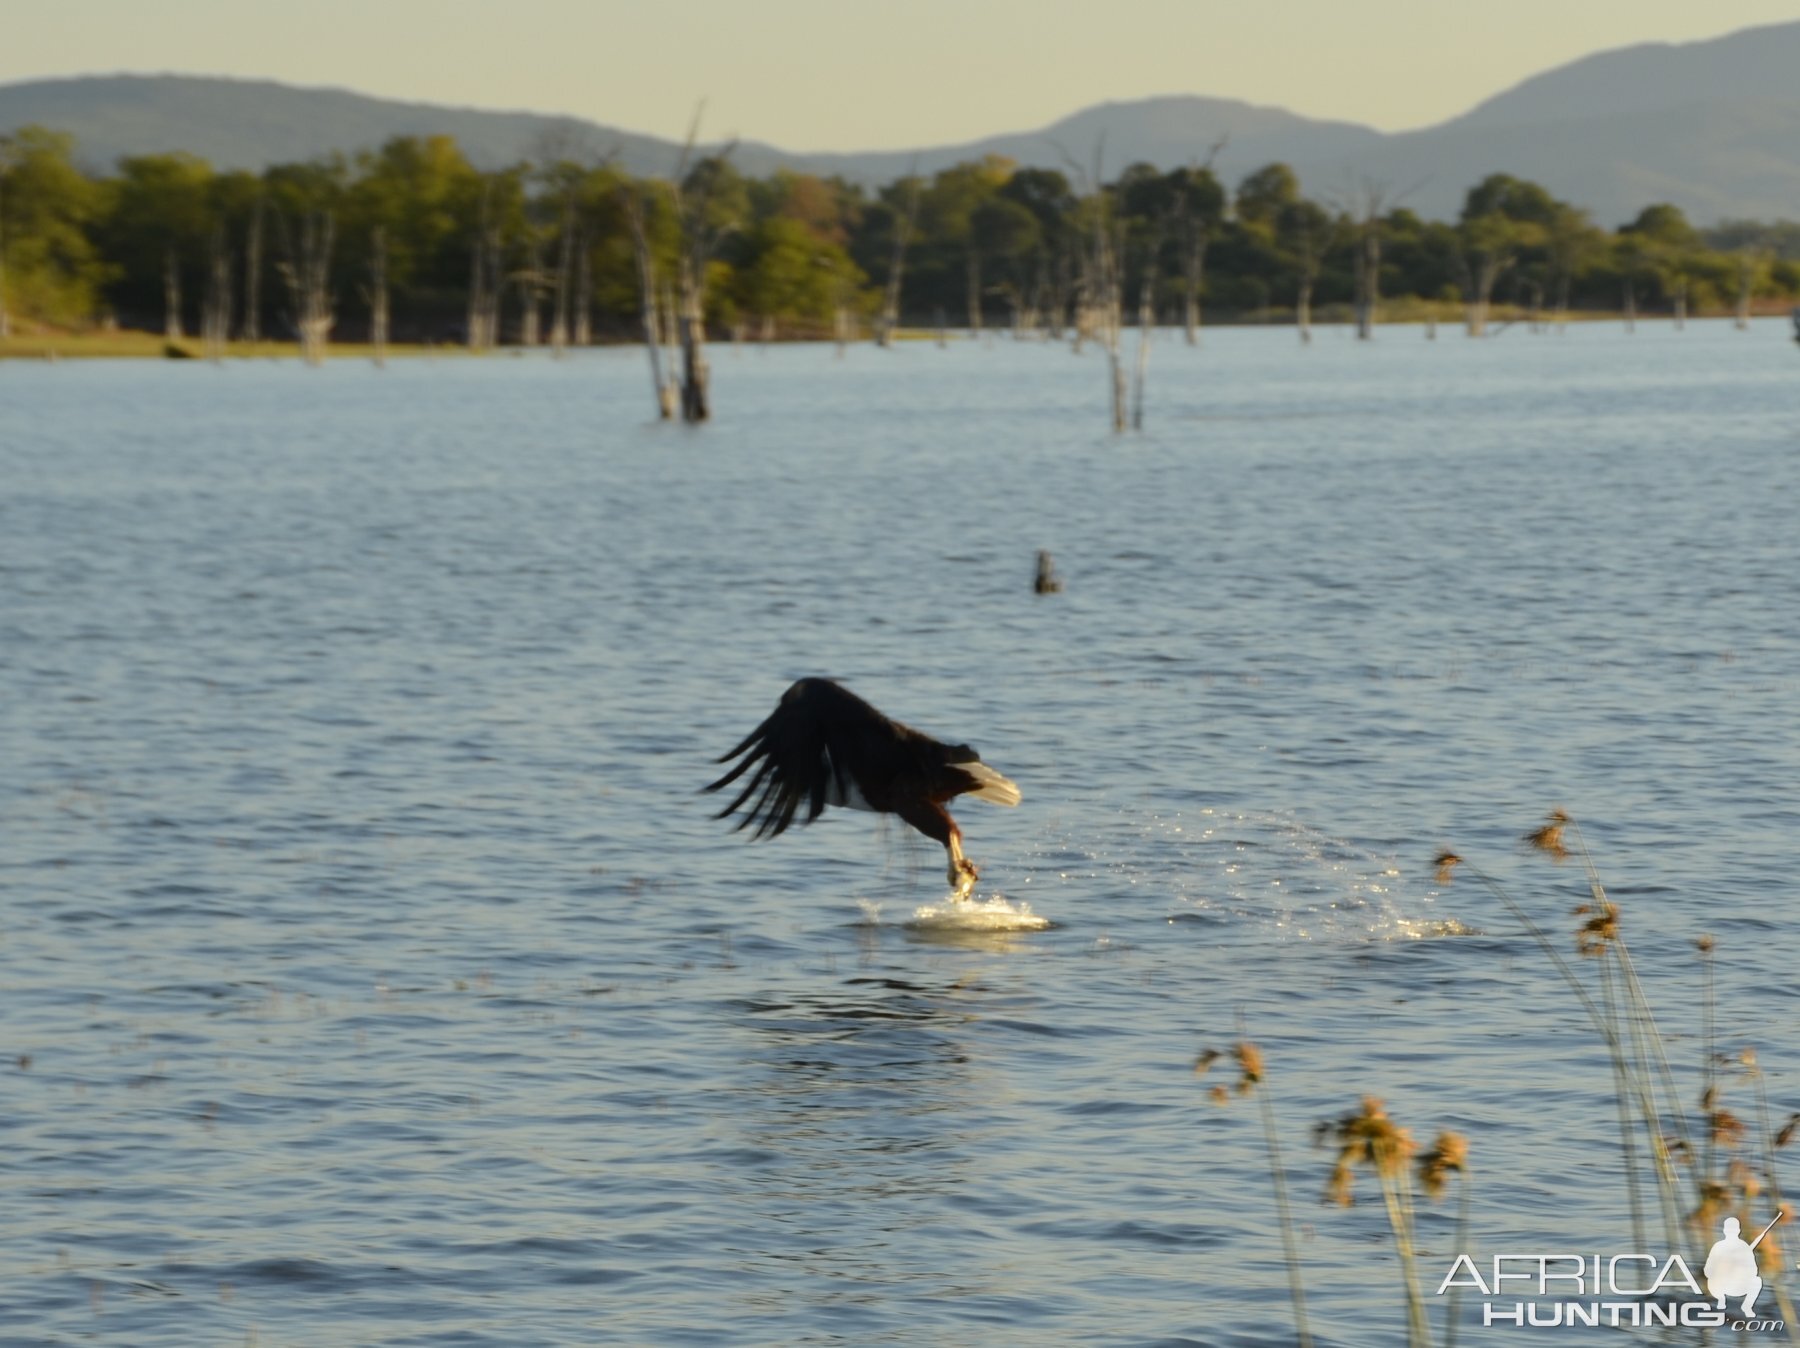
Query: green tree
column 947, row 213
column 156, row 230
column 1264, row 196
column 1661, row 244
column 49, row 268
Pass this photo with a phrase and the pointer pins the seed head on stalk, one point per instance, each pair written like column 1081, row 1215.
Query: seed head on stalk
column 1365, row 1137
column 1549, row 838
column 1450, row 1152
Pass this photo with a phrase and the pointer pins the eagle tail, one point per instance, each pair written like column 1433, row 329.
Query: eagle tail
column 990, row 785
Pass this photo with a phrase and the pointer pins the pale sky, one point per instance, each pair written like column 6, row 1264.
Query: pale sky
column 866, row 74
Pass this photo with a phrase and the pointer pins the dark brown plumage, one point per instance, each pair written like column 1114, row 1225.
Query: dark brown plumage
column 823, row 745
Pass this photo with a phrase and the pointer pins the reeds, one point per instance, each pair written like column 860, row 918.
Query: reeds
column 1365, row 1138
column 1250, row 1081
column 1730, row 1159
column 1724, row 1180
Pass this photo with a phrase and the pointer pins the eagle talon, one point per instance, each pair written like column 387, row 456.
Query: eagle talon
column 963, row 876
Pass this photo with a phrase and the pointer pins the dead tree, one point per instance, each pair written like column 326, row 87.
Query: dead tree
column 1146, row 321
column 1751, row 259
column 584, row 290
column 1479, row 266
column 215, row 317
column 1100, row 298
column 484, row 277
column 1098, row 313
column 840, row 317
column 252, row 329
column 671, row 355
column 171, row 295
column 307, row 270
column 1367, row 202
column 559, row 323
column 1314, row 235
column 889, row 321
column 1368, row 276
column 700, row 226
column 1109, row 319
column 1196, row 234
column 377, row 295
column 649, row 301
column 974, row 282
column 530, row 280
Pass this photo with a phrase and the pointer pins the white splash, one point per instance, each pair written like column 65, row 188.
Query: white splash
column 994, row 913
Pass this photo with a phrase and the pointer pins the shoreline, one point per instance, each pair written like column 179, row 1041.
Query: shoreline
column 133, row 345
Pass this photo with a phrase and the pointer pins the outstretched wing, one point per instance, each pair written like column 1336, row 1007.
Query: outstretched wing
column 801, row 756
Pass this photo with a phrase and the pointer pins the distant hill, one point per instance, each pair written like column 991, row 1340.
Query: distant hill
column 1713, row 127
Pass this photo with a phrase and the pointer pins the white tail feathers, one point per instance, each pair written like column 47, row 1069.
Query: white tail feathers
column 991, row 785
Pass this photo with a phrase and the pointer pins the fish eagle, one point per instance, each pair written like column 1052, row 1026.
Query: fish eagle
column 823, row 745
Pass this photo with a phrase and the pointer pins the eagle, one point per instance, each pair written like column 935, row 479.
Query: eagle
column 823, row 745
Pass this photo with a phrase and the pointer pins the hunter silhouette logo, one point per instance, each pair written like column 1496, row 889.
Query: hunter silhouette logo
column 1731, row 1267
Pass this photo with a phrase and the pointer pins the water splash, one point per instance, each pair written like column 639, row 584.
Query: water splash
column 994, row 913
column 1248, row 872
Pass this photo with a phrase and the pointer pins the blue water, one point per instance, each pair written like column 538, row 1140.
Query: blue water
column 373, row 973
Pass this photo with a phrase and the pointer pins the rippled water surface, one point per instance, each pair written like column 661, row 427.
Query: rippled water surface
column 374, row 975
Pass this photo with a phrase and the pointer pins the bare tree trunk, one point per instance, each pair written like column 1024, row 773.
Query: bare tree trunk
column 308, row 272
column 565, row 263
column 1107, row 318
column 1057, row 313
column 696, row 375
column 647, row 299
column 215, row 319
column 890, row 308
column 171, row 296
column 1146, row 320
column 530, row 284
column 475, row 331
column 378, row 295
column 1368, row 278
column 584, row 291
column 670, row 329
column 1479, row 280
column 974, row 271
column 493, row 292
column 1196, row 271
column 252, row 330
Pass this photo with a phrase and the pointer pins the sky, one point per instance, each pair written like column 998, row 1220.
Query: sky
column 861, row 75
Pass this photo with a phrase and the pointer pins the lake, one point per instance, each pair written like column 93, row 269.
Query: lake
column 374, row 973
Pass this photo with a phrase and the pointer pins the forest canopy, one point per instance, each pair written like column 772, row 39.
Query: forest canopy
column 167, row 243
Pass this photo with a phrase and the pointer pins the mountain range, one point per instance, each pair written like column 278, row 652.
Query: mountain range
column 1712, row 127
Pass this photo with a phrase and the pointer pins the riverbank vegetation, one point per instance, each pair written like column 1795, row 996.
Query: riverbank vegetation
column 413, row 244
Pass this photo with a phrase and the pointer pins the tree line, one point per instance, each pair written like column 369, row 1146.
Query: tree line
column 412, row 242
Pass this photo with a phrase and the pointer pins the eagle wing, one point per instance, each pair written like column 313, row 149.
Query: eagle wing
column 801, row 755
